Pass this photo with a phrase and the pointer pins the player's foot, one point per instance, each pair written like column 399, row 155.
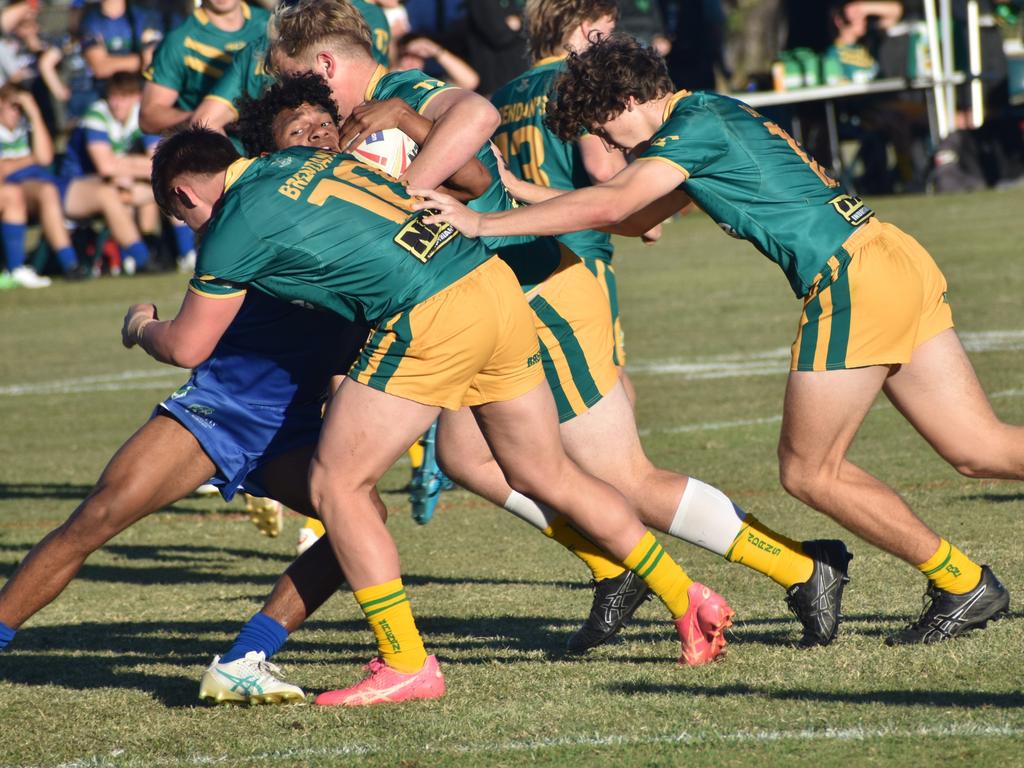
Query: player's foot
column 615, row 602
column 385, row 685
column 251, row 680
column 428, row 480
column 702, row 628
column 817, row 601
column 266, row 514
column 949, row 615
column 27, row 277
column 206, row 489
column 307, row 538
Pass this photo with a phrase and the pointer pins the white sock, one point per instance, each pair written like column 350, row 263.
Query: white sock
column 527, row 509
column 707, row 517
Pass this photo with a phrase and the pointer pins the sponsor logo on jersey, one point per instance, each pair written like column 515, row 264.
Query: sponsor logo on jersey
column 533, row 359
column 181, row 391
column 851, row 208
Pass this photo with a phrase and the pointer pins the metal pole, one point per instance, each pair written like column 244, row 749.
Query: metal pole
column 946, row 11
column 938, row 92
column 974, row 56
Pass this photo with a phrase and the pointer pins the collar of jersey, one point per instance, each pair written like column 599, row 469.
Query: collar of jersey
column 378, row 73
column 236, row 169
column 550, row 60
column 671, row 104
column 204, row 18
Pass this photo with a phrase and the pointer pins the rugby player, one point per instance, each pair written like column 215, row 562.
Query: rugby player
column 449, row 331
column 876, row 315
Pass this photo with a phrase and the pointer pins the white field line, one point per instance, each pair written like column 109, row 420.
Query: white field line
column 147, row 379
column 683, row 738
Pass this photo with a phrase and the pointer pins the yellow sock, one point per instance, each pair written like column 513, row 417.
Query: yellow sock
column 314, row 525
column 951, row 570
column 780, row 559
column 663, row 575
column 389, row 614
column 596, row 560
column 416, row 455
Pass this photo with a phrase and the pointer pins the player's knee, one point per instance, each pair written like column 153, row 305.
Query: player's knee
column 96, row 521
column 798, row 478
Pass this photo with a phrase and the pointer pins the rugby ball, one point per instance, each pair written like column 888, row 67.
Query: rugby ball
column 389, row 150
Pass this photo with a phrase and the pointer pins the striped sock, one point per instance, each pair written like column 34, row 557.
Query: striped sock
column 387, row 609
column 661, row 573
column 260, row 633
column 561, row 530
column 951, row 570
column 780, row 559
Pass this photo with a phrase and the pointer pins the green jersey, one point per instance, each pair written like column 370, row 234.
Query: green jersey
column 757, row 183
column 380, row 30
column 247, row 75
column 197, row 54
column 535, row 154
column 323, row 230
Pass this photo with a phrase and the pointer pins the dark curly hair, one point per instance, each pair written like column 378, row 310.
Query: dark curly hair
column 596, row 84
column 256, row 116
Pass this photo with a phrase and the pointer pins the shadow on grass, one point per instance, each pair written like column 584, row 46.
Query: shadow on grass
column 996, row 498
column 923, row 698
column 77, row 493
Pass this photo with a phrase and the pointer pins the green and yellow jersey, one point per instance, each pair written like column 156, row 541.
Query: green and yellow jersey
column 247, row 75
column 380, row 30
column 321, row 229
column 535, row 154
column 532, row 259
column 197, row 54
column 757, row 183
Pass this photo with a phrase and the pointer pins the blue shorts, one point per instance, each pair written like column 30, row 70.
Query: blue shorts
column 240, row 438
column 40, row 173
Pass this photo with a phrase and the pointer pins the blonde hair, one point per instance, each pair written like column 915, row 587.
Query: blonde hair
column 297, row 28
column 550, row 22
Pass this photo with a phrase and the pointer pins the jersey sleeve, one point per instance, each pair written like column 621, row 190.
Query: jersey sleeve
column 95, row 127
column 230, row 256
column 414, row 88
column 231, row 85
column 688, row 145
column 168, row 67
column 89, row 30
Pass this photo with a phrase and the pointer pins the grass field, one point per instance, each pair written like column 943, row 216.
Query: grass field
column 108, row 674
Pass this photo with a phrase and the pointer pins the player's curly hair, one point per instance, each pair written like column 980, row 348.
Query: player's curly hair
column 256, row 116
column 597, row 84
column 195, row 150
column 549, row 22
column 296, row 28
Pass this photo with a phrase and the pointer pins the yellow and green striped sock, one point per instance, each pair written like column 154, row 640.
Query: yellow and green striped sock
column 951, row 570
column 599, row 563
column 779, row 558
column 662, row 574
column 387, row 609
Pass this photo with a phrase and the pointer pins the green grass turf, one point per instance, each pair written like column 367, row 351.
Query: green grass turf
column 108, row 674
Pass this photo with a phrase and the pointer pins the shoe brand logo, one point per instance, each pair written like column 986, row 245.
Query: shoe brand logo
column 951, row 623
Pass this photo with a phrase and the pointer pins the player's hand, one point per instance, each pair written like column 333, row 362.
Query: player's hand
column 509, row 179
column 445, row 209
column 136, row 318
column 370, row 117
column 652, row 235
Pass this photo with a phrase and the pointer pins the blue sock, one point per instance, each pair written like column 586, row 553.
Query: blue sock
column 68, row 258
column 6, row 635
column 260, row 633
column 137, row 251
column 184, row 238
column 13, row 236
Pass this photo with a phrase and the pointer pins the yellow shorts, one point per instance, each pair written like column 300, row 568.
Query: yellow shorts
column 575, row 329
column 885, row 297
column 605, row 274
column 470, row 344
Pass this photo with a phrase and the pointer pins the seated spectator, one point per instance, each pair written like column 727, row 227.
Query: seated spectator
column 495, row 43
column 28, row 61
column 118, row 37
column 106, row 170
column 25, row 151
column 856, row 59
column 416, row 51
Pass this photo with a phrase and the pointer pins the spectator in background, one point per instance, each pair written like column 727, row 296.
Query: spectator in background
column 416, row 51
column 28, row 61
column 106, row 170
column 696, row 32
column 118, row 37
column 643, row 20
column 26, row 150
column 442, row 20
column 852, row 47
column 495, row 43
column 11, row 14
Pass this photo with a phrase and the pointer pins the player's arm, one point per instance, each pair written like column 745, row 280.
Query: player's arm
column 159, row 112
column 42, row 143
column 110, row 165
column 463, row 122
column 189, row 338
column 103, row 64
column 214, row 113
column 600, row 162
column 612, row 204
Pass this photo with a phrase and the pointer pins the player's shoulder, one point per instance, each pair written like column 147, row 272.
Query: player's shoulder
column 257, row 15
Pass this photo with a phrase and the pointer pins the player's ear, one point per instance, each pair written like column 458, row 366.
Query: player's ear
column 186, row 197
column 326, row 64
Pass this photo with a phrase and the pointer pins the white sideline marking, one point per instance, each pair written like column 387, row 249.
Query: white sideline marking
column 681, row 738
column 147, row 379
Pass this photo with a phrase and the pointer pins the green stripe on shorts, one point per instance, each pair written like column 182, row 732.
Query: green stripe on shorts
column 565, row 410
column 839, row 339
column 809, row 335
column 579, row 369
column 389, row 364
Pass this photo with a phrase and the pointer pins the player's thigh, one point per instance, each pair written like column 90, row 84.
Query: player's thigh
column 365, row 431
column 160, row 464
column 286, row 478
column 940, row 395
column 823, row 411
column 460, row 443
column 83, row 197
